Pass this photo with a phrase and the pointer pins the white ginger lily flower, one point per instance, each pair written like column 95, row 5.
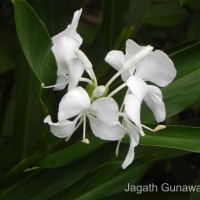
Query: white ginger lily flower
column 70, row 60
column 140, row 91
column 134, row 141
column 102, row 114
column 155, row 67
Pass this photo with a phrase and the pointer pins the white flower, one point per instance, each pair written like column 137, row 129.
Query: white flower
column 65, row 44
column 140, row 91
column 156, row 67
column 134, row 141
column 102, row 114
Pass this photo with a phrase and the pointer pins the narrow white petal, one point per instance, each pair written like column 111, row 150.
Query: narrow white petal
column 157, row 68
column 105, row 109
column 154, row 101
column 132, row 109
column 105, row 132
column 116, row 59
column 129, row 157
column 61, row 129
column 137, row 86
column 70, row 30
column 61, row 79
column 75, row 22
column 133, row 133
column 73, row 103
column 134, row 141
column 76, row 70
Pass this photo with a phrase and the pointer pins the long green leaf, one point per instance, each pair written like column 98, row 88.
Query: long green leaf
column 35, row 42
column 74, row 152
column 36, row 45
column 106, row 180
column 179, row 137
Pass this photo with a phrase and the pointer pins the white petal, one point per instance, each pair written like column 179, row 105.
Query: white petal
column 105, row 109
column 134, row 141
column 157, row 68
column 132, row 48
column 116, row 59
column 105, row 132
column 76, row 70
column 154, row 101
column 133, row 133
column 74, row 23
column 137, row 86
column 73, row 103
column 64, row 51
column 70, row 30
column 61, row 129
column 61, row 82
column 132, row 109
column 129, row 157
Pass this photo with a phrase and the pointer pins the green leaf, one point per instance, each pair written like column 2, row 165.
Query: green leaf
column 74, row 152
column 183, row 2
column 113, row 21
column 165, row 14
column 51, row 181
column 35, row 41
column 137, row 12
column 178, row 137
column 28, row 118
column 106, row 180
column 36, row 45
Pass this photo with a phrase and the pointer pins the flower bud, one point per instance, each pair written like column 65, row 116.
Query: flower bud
column 99, row 91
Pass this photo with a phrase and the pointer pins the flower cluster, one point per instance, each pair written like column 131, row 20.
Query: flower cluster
column 138, row 65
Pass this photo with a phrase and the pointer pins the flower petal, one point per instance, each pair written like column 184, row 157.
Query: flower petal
column 70, row 30
column 76, row 70
column 105, row 132
column 105, row 109
column 134, row 141
column 154, row 101
column 157, row 68
column 137, row 87
column 61, row 129
column 116, row 59
column 61, row 82
column 132, row 109
column 132, row 48
column 73, row 103
column 64, row 51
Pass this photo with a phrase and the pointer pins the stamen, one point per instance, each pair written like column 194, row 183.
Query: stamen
column 117, row 148
column 85, row 140
column 84, row 58
column 147, row 128
column 52, row 86
column 159, row 127
column 86, row 80
column 132, row 62
column 117, row 90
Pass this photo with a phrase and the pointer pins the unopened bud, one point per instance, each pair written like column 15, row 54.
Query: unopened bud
column 99, row 91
